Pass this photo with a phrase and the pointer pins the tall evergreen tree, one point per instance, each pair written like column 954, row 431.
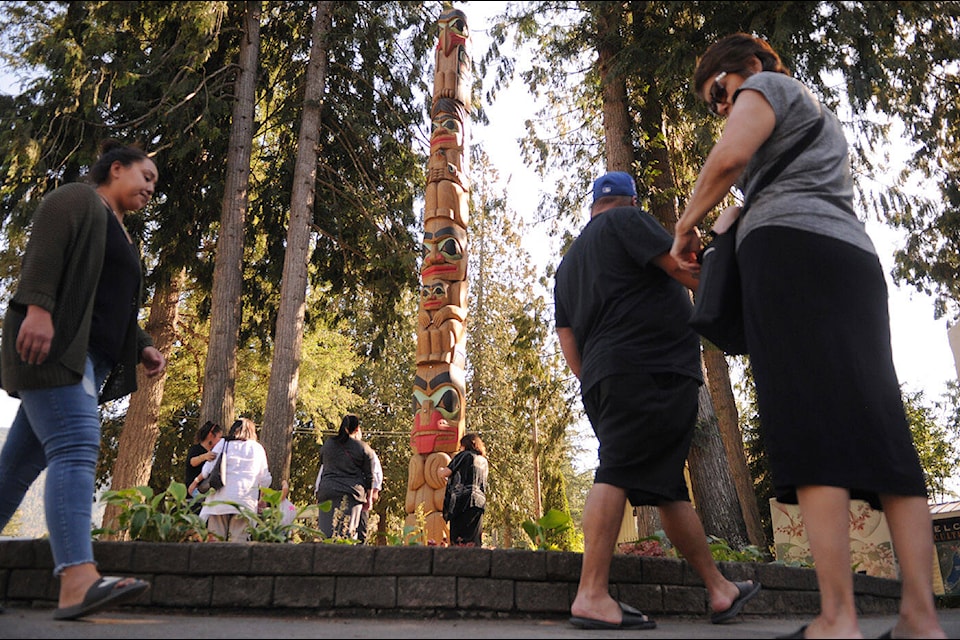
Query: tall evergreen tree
column 870, row 45
column 519, row 397
column 221, row 362
column 279, row 414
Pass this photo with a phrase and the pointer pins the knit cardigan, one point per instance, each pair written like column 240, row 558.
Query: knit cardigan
column 60, row 272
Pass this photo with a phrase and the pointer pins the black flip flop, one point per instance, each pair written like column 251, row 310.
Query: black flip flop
column 105, row 592
column 633, row 619
column 747, row 591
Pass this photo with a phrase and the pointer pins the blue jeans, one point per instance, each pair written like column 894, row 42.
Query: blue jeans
column 57, row 429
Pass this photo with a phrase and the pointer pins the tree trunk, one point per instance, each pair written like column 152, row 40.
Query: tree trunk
column 721, row 393
column 220, row 371
column 280, row 410
column 141, row 426
column 711, row 481
column 663, row 206
column 620, row 157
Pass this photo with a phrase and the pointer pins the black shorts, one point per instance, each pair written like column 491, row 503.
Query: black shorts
column 645, row 423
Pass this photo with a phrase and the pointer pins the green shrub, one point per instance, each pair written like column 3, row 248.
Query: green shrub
column 165, row 517
column 544, row 531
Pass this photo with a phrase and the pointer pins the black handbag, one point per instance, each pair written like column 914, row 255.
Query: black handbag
column 718, row 304
column 215, row 481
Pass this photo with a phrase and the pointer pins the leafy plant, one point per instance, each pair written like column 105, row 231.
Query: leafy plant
column 266, row 523
column 551, row 524
column 658, row 546
column 722, row 551
column 164, row 517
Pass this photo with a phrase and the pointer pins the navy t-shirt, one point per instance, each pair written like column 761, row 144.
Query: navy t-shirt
column 626, row 313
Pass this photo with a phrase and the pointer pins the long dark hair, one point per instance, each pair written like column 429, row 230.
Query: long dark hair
column 732, row 54
column 208, row 427
column 113, row 151
column 472, row 442
column 348, row 427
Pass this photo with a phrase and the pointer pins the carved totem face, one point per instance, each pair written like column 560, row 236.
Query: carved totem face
column 454, row 31
column 448, row 129
column 438, row 409
column 444, row 251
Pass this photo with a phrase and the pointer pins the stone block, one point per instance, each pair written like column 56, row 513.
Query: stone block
column 685, row 600
column 182, row 591
column 310, row 592
column 646, row 597
column 233, row 592
column 564, row 565
column 115, row 558
column 774, row 576
column 33, row 584
column 403, row 561
column 282, row 559
column 219, row 558
column 542, row 597
column 424, row 592
column 376, row 592
column 519, row 565
column 470, row 562
column 158, row 557
column 485, row 593
column 21, row 553
column 343, row 559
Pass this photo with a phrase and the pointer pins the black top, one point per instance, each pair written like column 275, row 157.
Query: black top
column 117, row 291
column 191, row 472
column 626, row 313
column 347, row 469
column 467, row 484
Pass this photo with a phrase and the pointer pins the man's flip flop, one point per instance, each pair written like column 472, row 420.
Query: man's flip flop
column 105, row 592
column 747, row 591
column 633, row 618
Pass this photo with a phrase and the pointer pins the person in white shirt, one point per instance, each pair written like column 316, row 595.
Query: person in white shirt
column 246, row 472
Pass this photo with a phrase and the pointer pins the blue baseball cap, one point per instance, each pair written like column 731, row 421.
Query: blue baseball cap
column 615, row 183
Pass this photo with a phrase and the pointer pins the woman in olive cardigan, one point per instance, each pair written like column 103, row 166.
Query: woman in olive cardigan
column 71, row 340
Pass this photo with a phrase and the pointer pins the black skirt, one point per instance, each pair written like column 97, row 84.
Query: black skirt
column 818, row 329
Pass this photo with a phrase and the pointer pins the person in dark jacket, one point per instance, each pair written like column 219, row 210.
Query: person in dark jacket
column 465, row 498
column 346, row 479
column 71, row 341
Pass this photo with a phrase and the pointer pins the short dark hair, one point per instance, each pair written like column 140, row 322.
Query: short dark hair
column 732, row 54
column 472, row 442
column 113, row 151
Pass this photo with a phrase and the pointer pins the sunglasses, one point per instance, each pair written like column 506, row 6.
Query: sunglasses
column 718, row 93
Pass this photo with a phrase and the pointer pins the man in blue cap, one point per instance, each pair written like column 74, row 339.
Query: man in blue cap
column 621, row 313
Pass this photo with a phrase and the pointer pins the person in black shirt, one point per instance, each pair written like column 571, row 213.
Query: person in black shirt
column 622, row 307
column 200, row 451
column 465, row 498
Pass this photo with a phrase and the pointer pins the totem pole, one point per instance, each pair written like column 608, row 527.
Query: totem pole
column 440, row 385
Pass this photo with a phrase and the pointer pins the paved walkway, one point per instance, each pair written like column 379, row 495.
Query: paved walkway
column 38, row 623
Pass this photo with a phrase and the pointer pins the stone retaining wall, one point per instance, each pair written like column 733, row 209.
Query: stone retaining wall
column 335, row 579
